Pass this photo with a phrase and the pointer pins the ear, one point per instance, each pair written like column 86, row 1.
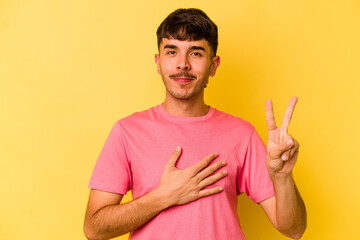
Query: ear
column 157, row 61
column 214, row 65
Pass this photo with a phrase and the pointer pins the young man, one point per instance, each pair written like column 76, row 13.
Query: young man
column 214, row 156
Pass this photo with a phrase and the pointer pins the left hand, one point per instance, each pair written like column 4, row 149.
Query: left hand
column 282, row 149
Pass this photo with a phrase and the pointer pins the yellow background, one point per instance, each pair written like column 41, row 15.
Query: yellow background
column 70, row 69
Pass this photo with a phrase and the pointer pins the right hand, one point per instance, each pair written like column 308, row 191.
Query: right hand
column 183, row 186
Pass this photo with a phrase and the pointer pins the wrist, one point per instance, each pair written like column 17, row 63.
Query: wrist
column 282, row 178
column 162, row 198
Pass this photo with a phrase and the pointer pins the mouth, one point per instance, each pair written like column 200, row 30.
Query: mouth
column 183, row 78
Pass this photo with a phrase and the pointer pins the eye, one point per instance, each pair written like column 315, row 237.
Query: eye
column 197, row 54
column 171, row 52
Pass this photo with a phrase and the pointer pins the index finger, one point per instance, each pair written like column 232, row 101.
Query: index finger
column 270, row 120
column 203, row 163
column 288, row 114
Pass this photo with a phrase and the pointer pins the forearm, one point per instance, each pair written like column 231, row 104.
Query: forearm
column 105, row 218
column 290, row 209
column 115, row 220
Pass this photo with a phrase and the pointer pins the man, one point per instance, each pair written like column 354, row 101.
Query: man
column 191, row 195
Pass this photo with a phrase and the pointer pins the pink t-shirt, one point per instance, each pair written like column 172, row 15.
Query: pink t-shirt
column 138, row 147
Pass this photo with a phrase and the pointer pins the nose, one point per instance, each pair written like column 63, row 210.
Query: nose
column 183, row 63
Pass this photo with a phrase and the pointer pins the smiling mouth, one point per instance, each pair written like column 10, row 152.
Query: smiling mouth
column 183, row 80
column 183, row 77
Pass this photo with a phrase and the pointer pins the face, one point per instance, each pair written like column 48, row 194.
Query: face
column 185, row 67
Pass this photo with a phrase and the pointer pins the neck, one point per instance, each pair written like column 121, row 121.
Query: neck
column 185, row 107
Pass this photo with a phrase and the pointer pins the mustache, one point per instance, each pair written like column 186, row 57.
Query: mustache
column 183, row 74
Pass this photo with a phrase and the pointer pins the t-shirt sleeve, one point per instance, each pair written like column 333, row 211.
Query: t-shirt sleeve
column 112, row 172
column 255, row 180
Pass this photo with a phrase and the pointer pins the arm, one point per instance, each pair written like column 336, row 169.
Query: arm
column 286, row 210
column 107, row 218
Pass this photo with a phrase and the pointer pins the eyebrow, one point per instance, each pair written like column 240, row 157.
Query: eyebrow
column 197, row 48
column 192, row 47
column 170, row 46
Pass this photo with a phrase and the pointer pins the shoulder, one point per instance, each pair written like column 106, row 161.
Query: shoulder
column 232, row 121
column 235, row 128
column 138, row 118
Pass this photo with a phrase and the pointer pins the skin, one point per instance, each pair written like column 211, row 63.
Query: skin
column 286, row 210
column 192, row 63
column 105, row 217
column 185, row 67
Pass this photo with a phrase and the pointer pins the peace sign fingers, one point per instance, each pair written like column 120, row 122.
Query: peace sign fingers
column 280, row 148
column 270, row 119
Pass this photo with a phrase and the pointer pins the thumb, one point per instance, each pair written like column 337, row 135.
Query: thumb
column 174, row 157
column 283, row 147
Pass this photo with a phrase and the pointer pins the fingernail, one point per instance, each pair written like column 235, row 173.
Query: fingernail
column 290, row 142
column 223, row 163
column 216, row 154
column 220, row 188
column 224, row 172
column 284, row 157
column 178, row 148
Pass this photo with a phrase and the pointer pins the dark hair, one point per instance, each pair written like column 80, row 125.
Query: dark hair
column 188, row 24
